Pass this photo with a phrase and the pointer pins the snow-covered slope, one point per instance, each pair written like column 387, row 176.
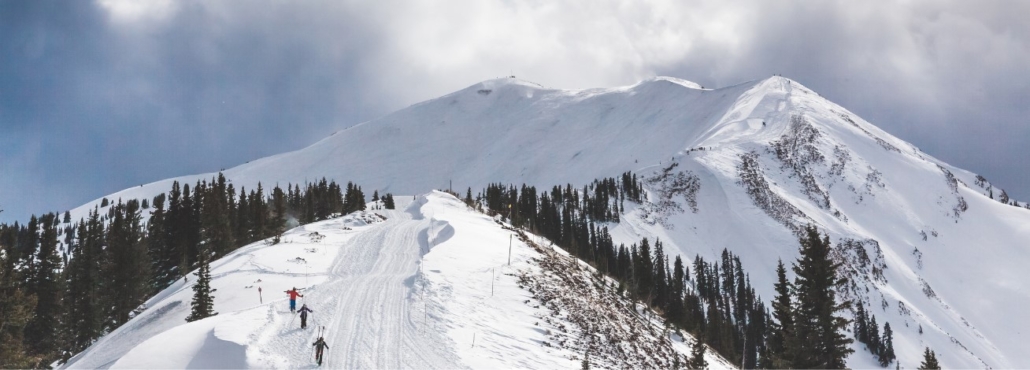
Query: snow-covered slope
column 924, row 244
column 427, row 286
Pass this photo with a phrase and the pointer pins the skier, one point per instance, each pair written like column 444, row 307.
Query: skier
column 304, row 315
column 320, row 344
column 293, row 298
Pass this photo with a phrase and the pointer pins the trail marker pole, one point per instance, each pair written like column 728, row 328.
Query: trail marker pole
column 509, row 249
column 260, row 299
column 492, row 277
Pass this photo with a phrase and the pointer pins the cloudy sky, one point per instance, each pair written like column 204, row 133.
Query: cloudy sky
column 99, row 96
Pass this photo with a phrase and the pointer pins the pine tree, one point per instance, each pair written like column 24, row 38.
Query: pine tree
column 127, row 264
column 259, row 214
column 676, row 310
column 874, row 337
column 216, row 232
column 161, row 253
column 644, row 271
column 780, row 343
column 929, row 361
column 243, row 224
column 697, row 356
column 16, row 309
column 85, row 316
column 202, row 305
column 174, row 230
column 279, row 216
column 820, row 342
column 42, row 333
column 354, row 199
column 888, row 345
column 660, row 282
column 189, row 229
column 860, row 328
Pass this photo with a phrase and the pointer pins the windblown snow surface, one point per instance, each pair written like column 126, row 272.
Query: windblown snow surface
column 923, row 243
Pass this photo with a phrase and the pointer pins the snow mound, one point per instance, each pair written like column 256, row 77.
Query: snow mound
column 679, row 81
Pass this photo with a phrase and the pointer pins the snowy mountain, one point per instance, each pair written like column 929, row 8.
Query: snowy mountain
column 923, row 243
column 427, row 286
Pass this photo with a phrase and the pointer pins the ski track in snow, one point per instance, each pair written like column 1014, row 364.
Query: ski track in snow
column 371, row 325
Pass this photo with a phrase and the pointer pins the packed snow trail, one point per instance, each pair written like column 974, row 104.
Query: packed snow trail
column 373, row 325
column 365, row 306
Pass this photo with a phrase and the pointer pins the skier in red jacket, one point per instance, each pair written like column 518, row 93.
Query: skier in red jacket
column 293, row 298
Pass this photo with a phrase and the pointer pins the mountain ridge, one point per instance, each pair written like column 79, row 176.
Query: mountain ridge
column 769, row 156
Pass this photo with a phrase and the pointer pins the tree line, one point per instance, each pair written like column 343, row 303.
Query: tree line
column 54, row 305
column 715, row 302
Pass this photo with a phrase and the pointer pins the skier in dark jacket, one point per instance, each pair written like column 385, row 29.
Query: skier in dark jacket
column 320, row 344
column 304, row 315
column 293, row 298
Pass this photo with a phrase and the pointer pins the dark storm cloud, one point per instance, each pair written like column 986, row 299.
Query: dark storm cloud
column 91, row 104
column 99, row 96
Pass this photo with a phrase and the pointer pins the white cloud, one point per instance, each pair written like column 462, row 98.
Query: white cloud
column 139, row 11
